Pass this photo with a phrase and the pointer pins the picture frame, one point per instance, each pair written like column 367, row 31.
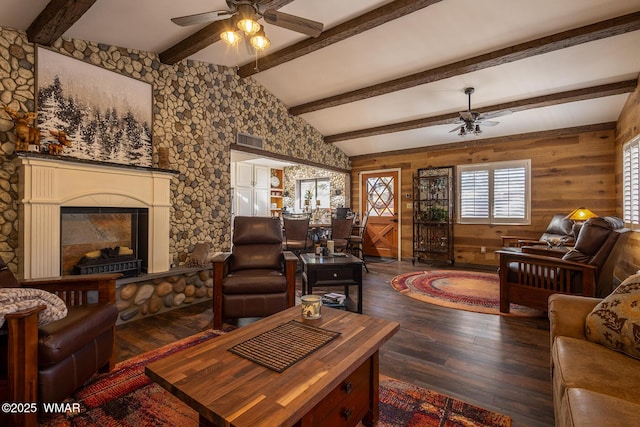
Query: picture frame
column 104, row 116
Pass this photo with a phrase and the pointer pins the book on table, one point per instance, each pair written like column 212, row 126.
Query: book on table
column 333, row 298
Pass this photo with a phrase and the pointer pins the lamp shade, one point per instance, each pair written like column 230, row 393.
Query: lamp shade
column 580, row 214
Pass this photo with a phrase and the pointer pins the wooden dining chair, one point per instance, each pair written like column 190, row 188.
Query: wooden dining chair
column 356, row 240
column 296, row 234
column 340, row 233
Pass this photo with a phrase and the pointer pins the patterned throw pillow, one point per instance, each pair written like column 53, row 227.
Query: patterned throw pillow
column 615, row 321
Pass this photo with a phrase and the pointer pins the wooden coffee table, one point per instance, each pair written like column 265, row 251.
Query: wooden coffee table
column 334, row 386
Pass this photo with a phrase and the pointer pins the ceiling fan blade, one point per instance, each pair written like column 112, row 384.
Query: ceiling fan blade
column 456, row 129
column 467, row 115
column 488, row 123
column 293, row 23
column 496, row 114
column 201, row 18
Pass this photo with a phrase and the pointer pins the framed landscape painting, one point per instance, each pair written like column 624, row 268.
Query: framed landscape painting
column 105, row 116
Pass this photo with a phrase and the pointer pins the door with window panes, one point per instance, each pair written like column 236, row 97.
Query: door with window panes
column 379, row 201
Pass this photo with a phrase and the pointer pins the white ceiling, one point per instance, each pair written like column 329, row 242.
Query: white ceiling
column 443, row 33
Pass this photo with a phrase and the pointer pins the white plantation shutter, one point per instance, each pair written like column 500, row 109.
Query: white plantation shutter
column 474, row 194
column 631, row 183
column 509, row 193
column 494, row 193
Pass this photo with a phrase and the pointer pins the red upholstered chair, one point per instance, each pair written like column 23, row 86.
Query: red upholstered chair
column 257, row 278
column 47, row 363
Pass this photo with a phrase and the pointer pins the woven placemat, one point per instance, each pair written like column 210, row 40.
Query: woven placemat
column 284, row 345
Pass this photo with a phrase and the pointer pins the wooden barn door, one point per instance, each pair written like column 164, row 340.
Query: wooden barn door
column 380, row 201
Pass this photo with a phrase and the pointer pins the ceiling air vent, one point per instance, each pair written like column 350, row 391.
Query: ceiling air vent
column 249, row 140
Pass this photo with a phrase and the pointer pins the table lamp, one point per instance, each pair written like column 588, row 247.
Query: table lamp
column 579, row 216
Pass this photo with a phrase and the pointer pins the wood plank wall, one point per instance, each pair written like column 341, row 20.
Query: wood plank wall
column 627, row 128
column 567, row 172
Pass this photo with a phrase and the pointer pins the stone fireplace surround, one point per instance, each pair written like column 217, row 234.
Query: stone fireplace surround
column 48, row 183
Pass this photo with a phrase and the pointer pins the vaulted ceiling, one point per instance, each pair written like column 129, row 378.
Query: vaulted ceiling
column 390, row 75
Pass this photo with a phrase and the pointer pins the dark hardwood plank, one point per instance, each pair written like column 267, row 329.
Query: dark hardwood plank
column 496, row 362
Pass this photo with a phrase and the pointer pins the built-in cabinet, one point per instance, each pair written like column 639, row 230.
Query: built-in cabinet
column 251, row 190
column 276, row 192
column 433, row 215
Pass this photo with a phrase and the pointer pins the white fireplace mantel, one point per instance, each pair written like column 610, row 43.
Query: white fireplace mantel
column 47, row 184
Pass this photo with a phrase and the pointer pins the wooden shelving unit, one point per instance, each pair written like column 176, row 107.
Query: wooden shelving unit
column 276, row 193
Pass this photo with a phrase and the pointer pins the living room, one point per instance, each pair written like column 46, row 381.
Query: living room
column 198, row 108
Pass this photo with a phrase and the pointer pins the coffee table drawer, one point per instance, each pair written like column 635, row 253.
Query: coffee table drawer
column 348, row 403
column 344, row 274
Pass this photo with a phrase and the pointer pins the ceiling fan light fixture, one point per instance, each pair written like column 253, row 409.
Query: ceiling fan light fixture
column 260, row 41
column 248, row 26
column 230, row 37
column 477, row 130
column 247, row 20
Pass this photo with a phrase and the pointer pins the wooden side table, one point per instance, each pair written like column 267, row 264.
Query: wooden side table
column 326, row 271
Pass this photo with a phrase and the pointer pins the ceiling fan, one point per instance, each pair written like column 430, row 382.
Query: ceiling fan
column 241, row 11
column 471, row 120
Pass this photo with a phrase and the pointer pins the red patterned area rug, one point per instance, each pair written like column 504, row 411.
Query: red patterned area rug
column 463, row 290
column 127, row 397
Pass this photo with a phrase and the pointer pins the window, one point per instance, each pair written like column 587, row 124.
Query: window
column 315, row 189
column 494, row 193
column 631, row 183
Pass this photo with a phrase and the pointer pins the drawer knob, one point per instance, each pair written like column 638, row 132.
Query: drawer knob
column 347, row 387
column 335, row 274
column 346, row 414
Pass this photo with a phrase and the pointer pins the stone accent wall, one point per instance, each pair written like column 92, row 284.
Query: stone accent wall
column 197, row 109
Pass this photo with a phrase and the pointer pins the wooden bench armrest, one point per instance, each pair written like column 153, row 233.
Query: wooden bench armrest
column 73, row 289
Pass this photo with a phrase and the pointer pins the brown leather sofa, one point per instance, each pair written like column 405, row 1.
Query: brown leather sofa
column 587, row 269
column 558, row 228
column 257, row 278
column 48, row 363
column 592, row 384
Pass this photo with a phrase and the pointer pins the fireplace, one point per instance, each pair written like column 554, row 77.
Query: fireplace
column 50, row 186
column 104, row 239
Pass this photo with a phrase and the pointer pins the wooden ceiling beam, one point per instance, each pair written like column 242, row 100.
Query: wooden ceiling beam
column 55, row 19
column 355, row 26
column 475, row 143
column 207, row 36
column 600, row 91
column 611, row 27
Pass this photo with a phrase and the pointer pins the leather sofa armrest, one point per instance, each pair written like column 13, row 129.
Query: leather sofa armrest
column 567, row 314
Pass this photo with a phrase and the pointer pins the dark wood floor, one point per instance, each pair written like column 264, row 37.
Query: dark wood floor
column 496, row 362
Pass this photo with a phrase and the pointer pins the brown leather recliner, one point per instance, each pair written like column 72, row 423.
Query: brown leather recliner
column 257, row 278
column 48, row 363
column 529, row 279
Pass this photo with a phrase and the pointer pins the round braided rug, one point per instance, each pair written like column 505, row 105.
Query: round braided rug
column 463, row 290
